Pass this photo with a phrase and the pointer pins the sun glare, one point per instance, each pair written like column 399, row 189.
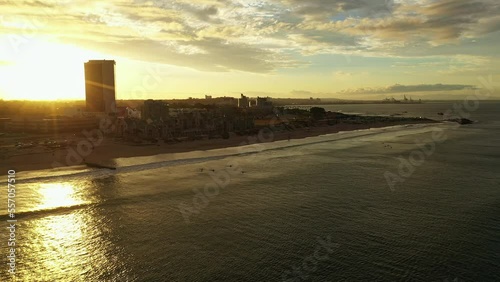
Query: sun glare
column 45, row 71
column 57, row 195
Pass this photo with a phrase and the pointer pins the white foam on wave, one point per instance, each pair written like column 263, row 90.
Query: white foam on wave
column 125, row 165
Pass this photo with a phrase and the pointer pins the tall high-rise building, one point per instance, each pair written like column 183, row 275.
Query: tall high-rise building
column 100, row 86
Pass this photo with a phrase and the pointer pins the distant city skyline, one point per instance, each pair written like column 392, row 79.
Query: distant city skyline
column 427, row 49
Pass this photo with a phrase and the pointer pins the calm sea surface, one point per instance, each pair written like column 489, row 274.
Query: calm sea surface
column 317, row 209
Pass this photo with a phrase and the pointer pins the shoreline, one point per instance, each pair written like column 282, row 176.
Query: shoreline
column 109, row 149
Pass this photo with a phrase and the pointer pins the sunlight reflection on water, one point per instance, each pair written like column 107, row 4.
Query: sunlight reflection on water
column 62, row 241
column 66, row 235
column 70, row 245
column 53, row 195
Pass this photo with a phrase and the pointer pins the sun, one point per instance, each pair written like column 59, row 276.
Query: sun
column 45, row 71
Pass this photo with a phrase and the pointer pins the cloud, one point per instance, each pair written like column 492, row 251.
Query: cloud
column 38, row 4
column 263, row 36
column 206, row 13
column 301, row 93
column 310, row 94
column 448, row 65
column 415, row 26
column 398, row 88
column 342, row 74
column 320, row 9
column 207, row 54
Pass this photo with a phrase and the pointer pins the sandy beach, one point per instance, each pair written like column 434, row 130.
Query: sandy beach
column 38, row 158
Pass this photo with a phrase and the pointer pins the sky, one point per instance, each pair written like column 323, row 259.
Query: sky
column 346, row 49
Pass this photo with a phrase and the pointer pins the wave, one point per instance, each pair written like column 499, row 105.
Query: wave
column 43, row 212
column 98, row 203
column 175, row 159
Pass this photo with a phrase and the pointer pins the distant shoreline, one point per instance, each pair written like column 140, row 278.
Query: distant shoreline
column 110, row 149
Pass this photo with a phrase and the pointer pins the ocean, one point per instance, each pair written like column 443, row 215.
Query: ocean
column 402, row 203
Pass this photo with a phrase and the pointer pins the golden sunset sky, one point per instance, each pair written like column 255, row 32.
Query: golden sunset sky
column 356, row 49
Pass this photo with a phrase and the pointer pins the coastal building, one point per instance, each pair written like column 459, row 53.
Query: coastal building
column 262, row 102
column 242, row 123
column 127, row 112
column 100, row 93
column 133, row 113
column 121, row 112
column 243, row 101
column 225, row 101
column 155, row 110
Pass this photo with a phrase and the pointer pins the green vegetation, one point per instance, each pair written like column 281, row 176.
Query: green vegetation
column 317, row 113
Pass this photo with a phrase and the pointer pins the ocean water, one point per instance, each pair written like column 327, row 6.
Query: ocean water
column 315, row 209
